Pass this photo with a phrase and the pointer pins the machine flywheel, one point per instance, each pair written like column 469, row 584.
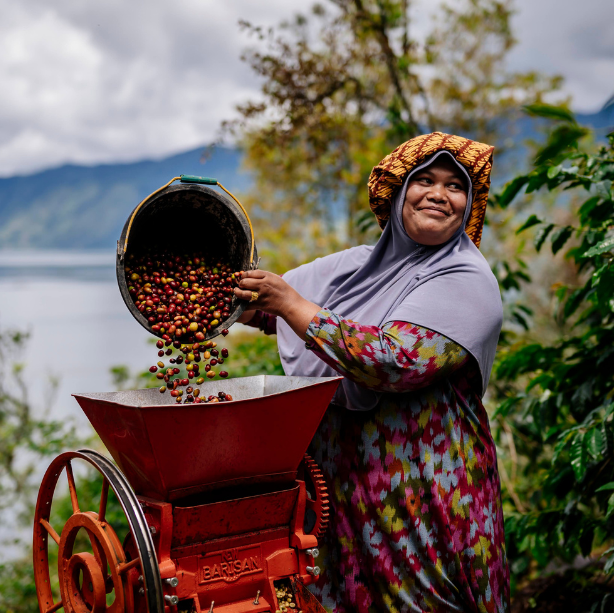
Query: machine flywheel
column 92, row 567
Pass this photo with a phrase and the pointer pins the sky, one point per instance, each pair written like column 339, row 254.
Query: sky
column 122, row 80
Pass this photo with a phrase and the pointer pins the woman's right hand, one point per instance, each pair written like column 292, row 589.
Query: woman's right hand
column 272, row 294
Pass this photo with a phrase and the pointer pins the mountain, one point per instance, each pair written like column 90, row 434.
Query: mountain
column 85, row 207
column 602, row 121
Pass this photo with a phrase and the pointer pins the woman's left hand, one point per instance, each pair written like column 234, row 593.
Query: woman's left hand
column 277, row 297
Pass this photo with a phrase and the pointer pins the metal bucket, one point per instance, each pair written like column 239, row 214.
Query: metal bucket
column 203, row 218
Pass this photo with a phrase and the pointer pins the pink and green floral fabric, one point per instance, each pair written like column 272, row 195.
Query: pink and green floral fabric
column 416, row 520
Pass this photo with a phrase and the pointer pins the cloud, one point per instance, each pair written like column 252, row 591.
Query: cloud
column 95, row 82
column 569, row 38
column 115, row 81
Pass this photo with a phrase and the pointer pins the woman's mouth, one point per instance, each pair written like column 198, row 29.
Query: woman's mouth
column 435, row 211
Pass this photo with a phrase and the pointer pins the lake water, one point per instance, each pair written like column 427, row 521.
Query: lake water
column 78, row 323
column 79, row 327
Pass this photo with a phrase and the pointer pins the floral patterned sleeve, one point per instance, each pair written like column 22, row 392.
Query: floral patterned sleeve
column 399, row 357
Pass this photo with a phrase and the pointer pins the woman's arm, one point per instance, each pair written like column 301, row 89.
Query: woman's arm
column 398, row 357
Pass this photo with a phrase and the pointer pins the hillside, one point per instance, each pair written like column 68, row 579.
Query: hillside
column 85, row 207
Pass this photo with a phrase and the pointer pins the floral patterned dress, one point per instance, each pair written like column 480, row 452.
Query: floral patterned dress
column 416, row 520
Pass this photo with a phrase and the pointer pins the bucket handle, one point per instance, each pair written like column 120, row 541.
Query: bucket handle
column 191, row 179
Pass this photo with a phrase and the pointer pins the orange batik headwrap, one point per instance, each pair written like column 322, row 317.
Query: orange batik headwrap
column 387, row 177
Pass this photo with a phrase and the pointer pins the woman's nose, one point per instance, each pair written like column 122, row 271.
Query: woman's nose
column 437, row 193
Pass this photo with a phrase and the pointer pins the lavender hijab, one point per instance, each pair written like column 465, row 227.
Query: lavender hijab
column 447, row 288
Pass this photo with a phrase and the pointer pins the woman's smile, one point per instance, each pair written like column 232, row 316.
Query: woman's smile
column 435, row 203
column 434, row 211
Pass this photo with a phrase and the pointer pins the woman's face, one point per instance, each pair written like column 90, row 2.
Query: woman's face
column 435, row 203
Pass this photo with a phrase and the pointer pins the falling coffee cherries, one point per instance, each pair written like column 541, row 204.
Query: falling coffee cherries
column 183, row 297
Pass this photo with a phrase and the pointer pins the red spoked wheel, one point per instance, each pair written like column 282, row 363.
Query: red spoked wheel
column 99, row 577
column 316, row 515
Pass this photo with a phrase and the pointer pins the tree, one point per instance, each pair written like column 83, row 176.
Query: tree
column 556, row 409
column 27, row 438
column 345, row 85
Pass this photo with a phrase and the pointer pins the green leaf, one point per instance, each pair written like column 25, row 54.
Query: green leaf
column 578, row 457
column 519, row 318
column 561, row 139
column 601, row 248
column 540, row 548
column 604, row 189
column 511, row 189
column 587, row 207
column 536, row 180
column 610, row 506
column 608, row 486
column 604, row 284
column 583, row 395
column 525, row 308
column 543, row 379
column 507, row 406
column 531, row 221
column 561, row 446
column 558, row 113
column 542, row 235
column 594, row 441
column 560, row 237
column 553, row 171
column 574, row 301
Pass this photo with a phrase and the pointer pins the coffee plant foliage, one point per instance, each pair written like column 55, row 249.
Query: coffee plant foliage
column 556, row 399
column 28, row 439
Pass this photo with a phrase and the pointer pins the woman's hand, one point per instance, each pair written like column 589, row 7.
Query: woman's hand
column 273, row 292
column 277, row 297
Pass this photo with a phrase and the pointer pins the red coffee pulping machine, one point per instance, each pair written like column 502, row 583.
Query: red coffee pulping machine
column 223, row 507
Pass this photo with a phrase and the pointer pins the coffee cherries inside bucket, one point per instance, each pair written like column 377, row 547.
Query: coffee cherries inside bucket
column 184, row 297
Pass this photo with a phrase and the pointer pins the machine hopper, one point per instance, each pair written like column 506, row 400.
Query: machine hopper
column 168, row 452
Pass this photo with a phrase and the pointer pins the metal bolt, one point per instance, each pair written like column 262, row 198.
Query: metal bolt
column 211, row 608
column 314, row 552
column 314, row 571
column 172, row 599
column 172, row 582
column 152, row 530
column 257, row 596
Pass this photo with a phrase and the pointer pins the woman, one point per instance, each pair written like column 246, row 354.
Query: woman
column 412, row 324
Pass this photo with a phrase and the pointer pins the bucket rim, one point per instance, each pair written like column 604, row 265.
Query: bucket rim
column 236, row 212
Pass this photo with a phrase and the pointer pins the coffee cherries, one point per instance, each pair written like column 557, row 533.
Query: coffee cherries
column 183, row 297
